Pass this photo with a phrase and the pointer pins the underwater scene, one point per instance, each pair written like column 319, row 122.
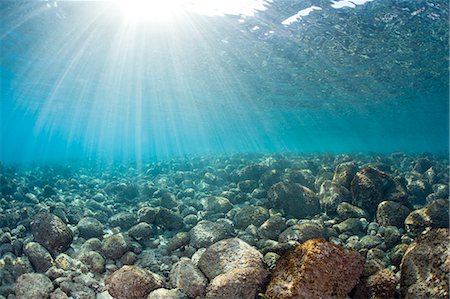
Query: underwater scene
column 224, row 149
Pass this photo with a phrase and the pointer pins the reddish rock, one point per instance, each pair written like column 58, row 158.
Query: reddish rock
column 315, row 269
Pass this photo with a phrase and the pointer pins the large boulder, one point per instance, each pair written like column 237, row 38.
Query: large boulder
column 425, row 266
column 391, row 213
column 302, row 232
column 294, row 199
column 114, row 246
column 247, row 215
column 33, row 286
column 434, row 215
column 132, row 282
column 315, row 269
column 39, row 257
column 207, row 232
column 188, row 278
column 344, row 173
column 51, row 232
column 89, row 227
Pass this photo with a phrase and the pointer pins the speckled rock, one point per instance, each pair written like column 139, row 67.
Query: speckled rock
column 141, row 231
column 114, row 246
column 124, row 220
column 180, row 240
column 89, row 227
column 39, row 257
column 132, row 282
column 294, row 199
column 247, row 215
column 188, row 278
column 252, row 172
column 315, row 269
column 350, row 226
column 247, row 185
column 169, row 219
column 272, row 227
column 391, row 213
column 239, row 283
column 422, row 165
column 217, row 204
column 392, row 236
column 166, row 294
column 369, row 187
column 94, row 261
column 229, row 254
column 33, row 286
column 344, row 173
column 331, row 195
column 207, row 232
column 380, row 285
column 370, row 241
column 346, row 210
column 434, row 215
column 425, row 266
column 51, row 232
column 302, row 232
column 147, row 214
column 168, row 200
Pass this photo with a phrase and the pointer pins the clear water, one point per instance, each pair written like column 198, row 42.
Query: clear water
column 83, row 81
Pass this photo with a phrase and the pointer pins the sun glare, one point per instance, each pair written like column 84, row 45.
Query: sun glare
column 150, row 10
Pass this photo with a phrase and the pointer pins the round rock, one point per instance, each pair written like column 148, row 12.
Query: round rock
column 89, row 227
column 51, row 232
column 33, row 286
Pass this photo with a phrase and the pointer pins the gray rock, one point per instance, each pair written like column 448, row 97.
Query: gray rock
column 227, row 255
column 114, row 246
column 247, row 186
column 344, row 173
column 294, row 199
column 302, row 232
column 272, row 227
column 206, row 233
column 132, row 282
column 369, row 187
column 89, row 227
column 94, row 261
column 252, row 172
column 331, row 195
column 166, row 294
column 51, row 232
column 188, row 278
column 370, row 241
column 168, row 200
column 351, row 226
column 124, row 220
column 434, row 215
column 392, row 236
column 33, row 286
column 217, row 204
column 141, row 231
column 247, row 215
column 58, row 294
column 347, row 210
column 391, row 213
column 169, row 219
column 180, row 240
column 39, row 257
column 147, row 214
column 422, row 165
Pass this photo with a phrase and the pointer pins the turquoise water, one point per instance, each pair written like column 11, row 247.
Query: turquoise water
column 84, row 81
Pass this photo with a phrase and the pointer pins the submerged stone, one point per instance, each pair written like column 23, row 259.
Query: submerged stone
column 51, row 232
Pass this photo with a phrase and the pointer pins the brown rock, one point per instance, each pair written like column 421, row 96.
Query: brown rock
column 315, row 269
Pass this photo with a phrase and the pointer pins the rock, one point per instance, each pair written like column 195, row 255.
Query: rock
column 77, row 290
column 180, row 240
column 434, row 215
column 331, row 195
column 51, row 232
column 396, row 254
column 217, row 204
column 294, row 199
column 166, row 294
column 370, row 241
column 132, row 282
column 239, row 283
column 89, row 227
column 58, row 294
column 169, row 219
column 141, row 231
column 94, row 261
column 346, row 210
column 39, row 257
column 391, row 213
column 422, row 165
column 247, row 215
column 168, row 200
column 247, row 186
column 369, row 187
column 315, row 269
column 33, row 286
column 350, row 226
column 188, row 278
column 344, row 173
column 302, row 232
column 147, row 214
column 380, row 285
column 114, row 246
column 425, row 266
column 124, row 220
column 272, row 227
column 392, row 236
column 227, row 255
column 206, row 233
column 252, row 172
